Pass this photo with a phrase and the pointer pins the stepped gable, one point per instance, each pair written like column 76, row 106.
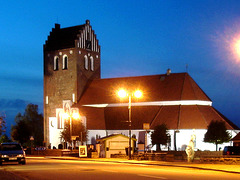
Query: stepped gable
column 63, row 38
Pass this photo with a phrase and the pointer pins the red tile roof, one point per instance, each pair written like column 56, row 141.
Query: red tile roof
column 177, row 86
column 174, row 87
column 236, row 138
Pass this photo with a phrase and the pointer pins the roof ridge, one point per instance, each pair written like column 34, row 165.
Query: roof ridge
column 72, row 27
column 179, row 117
column 159, row 111
column 193, row 89
column 202, row 115
column 129, row 77
column 191, row 83
column 183, row 86
column 230, row 123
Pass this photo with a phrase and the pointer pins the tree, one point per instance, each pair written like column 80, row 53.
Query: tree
column 27, row 125
column 2, row 123
column 78, row 129
column 160, row 136
column 217, row 133
column 4, row 138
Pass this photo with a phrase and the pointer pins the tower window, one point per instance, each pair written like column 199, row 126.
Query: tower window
column 56, row 60
column 65, row 61
column 86, row 62
column 92, row 63
column 60, row 120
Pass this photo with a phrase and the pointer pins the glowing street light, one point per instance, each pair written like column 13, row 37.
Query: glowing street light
column 73, row 115
column 138, row 94
column 122, row 94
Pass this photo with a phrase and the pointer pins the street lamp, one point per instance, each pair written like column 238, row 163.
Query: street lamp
column 122, row 94
column 72, row 115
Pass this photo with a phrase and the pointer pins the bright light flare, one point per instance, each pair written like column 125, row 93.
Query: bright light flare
column 237, row 48
column 122, row 93
column 138, row 94
column 227, row 48
column 65, row 116
column 76, row 116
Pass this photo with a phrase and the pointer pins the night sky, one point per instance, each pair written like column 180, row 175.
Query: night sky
column 136, row 37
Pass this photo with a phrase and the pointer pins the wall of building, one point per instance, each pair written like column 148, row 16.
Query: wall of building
column 59, row 84
column 182, row 138
column 66, row 84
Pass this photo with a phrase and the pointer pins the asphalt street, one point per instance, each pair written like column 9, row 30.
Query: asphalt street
column 57, row 168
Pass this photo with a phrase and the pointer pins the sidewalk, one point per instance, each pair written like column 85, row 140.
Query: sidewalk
column 229, row 168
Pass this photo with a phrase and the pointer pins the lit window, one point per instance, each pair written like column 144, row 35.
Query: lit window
column 86, row 62
column 46, row 100
column 60, row 120
column 56, row 60
column 92, row 63
column 65, row 62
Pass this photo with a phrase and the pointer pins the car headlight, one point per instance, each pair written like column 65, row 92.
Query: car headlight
column 20, row 155
column 4, row 156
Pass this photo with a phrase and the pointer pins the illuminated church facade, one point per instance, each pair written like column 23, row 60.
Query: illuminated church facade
column 73, row 84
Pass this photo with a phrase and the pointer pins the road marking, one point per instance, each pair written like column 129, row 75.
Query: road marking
column 112, row 171
column 149, row 176
column 36, row 169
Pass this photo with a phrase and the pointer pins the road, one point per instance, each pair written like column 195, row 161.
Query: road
column 43, row 168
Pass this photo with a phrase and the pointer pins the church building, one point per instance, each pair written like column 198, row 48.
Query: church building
column 73, row 84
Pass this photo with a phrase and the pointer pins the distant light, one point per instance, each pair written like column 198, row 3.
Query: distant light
column 138, row 94
column 122, row 93
column 237, row 48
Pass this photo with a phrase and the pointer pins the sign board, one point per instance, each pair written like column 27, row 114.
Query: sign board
column 82, row 151
column 146, row 126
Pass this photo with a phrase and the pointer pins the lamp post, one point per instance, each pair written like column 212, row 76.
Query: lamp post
column 122, row 93
column 72, row 115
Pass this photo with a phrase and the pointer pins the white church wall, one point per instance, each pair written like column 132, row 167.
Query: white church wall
column 95, row 134
column 54, row 132
column 184, row 136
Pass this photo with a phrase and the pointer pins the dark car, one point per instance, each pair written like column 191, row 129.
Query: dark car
column 12, row 152
column 231, row 150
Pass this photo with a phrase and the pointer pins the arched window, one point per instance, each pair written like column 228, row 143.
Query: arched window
column 86, row 62
column 92, row 63
column 55, row 64
column 60, row 120
column 65, row 61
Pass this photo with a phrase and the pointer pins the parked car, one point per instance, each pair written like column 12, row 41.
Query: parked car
column 12, row 152
column 231, row 150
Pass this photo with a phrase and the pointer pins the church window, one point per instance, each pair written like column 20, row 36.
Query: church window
column 56, row 62
column 60, row 120
column 46, row 100
column 65, row 62
column 92, row 63
column 86, row 62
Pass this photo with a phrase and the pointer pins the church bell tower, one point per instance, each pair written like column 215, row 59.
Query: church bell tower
column 71, row 62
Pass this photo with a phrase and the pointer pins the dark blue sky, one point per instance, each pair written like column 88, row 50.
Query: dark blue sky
column 136, row 37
